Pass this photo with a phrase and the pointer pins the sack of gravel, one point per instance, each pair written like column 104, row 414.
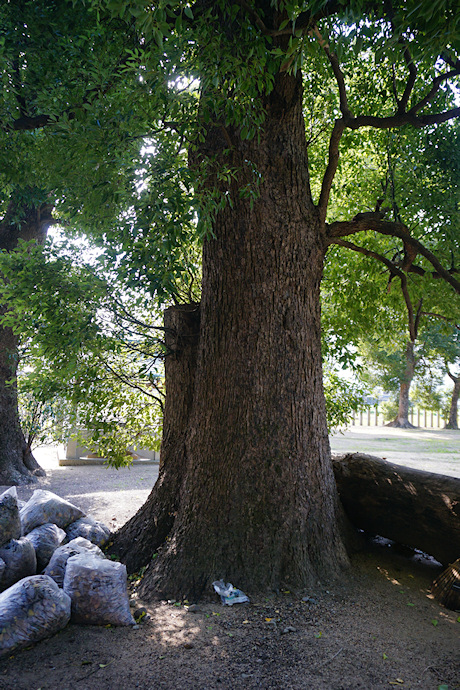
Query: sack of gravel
column 58, row 562
column 10, row 523
column 91, row 529
column 20, row 561
column 98, row 591
column 45, row 540
column 44, row 507
column 30, row 610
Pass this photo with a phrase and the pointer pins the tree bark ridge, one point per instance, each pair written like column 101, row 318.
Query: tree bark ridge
column 138, row 540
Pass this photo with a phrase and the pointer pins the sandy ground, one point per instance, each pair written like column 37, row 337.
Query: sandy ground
column 375, row 628
column 107, row 494
column 432, row 450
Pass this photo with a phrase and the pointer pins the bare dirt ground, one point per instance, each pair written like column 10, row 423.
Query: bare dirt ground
column 375, row 628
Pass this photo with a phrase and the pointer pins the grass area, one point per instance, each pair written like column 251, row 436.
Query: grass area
column 434, row 450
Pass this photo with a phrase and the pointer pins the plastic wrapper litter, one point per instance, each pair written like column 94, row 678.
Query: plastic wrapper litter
column 45, row 540
column 229, row 594
column 20, row 561
column 10, row 523
column 57, row 565
column 44, row 507
column 30, row 610
column 91, row 529
column 98, row 591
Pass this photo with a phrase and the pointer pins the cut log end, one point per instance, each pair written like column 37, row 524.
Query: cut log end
column 446, row 587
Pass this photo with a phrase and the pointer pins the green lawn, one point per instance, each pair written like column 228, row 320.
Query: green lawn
column 435, row 450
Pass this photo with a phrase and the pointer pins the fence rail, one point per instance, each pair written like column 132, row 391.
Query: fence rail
column 423, row 418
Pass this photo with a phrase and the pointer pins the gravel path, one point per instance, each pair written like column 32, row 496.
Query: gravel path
column 106, row 494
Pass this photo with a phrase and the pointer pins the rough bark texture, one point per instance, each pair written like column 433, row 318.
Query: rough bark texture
column 416, row 508
column 401, row 421
column 452, row 422
column 17, row 463
column 259, row 503
column 141, row 536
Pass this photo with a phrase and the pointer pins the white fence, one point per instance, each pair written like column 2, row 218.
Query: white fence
column 422, row 418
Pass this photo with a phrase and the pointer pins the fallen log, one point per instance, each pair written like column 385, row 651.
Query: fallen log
column 416, row 508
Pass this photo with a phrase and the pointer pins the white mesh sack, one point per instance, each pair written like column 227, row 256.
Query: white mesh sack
column 30, row 610
column 43, row 507
column 98, row 591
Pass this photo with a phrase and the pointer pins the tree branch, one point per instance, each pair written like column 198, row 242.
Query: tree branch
column 402, row 104
column 413, row 323
column 332, row 57
column 435, row 87
column 331, row 169
column 360, row 224
column 437, row 316
column 394, row 270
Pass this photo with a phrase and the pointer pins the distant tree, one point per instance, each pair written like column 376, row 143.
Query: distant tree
column 26, row 218
column 91, row 351
column 443, row 344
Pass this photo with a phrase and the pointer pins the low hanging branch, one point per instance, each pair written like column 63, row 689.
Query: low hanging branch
column 372, row 221
column 394, row 272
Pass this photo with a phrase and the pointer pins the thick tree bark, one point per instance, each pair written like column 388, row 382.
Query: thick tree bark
column 145, row 532
column 17, row 463
column 452, row 422
column 412, row 507
column 401, row 420
column 259, row 505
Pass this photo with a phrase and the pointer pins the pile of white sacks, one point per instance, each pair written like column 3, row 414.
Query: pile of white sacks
column 52, row 570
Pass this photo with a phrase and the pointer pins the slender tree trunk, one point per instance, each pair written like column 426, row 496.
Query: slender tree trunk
column 259, row 505
column 141, row 536
column 452, row 422
column 17, row 463
column 402, row 419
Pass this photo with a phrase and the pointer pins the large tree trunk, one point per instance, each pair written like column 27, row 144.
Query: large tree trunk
column 401, row 420
column 17, row 463
column 259, row 505
column 416, row 508
column 146, row 531
column 452, row 422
